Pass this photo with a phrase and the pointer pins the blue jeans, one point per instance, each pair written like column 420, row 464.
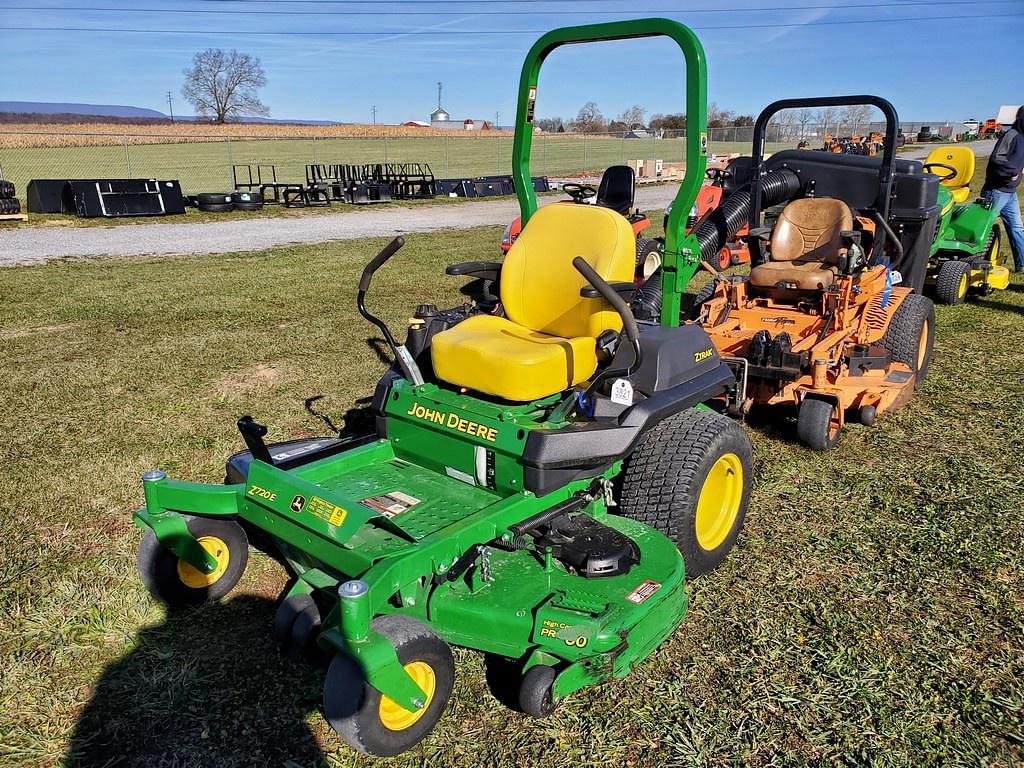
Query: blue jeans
column 1006, row 204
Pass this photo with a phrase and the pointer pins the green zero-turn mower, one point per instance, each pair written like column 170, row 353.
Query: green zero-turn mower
column 965, row 254
column 541, row 473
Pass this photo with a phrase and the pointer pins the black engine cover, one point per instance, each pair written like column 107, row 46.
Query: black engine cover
column 590, row 548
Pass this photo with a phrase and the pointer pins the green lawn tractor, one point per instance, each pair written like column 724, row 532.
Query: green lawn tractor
column 965, row 254
column 542, row 475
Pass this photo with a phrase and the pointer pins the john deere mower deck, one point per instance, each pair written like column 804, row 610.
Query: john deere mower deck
column 965, row 256
column 542, row 476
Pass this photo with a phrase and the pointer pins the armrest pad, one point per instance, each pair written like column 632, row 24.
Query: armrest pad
column 764, row 234
column 486, row 269
column 625, row 290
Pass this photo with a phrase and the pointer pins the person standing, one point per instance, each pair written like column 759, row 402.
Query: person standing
column 1001, row 181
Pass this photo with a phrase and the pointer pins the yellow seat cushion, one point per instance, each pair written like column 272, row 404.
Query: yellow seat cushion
column 962, row 160
column 960, row 194
column 547, row 341
column 495, row 356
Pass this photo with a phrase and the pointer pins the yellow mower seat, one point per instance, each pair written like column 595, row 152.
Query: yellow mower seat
column 960, row 158
column 547, row 341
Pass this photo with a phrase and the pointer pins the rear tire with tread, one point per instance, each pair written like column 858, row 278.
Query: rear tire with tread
column 910, row 336
column 664, row 477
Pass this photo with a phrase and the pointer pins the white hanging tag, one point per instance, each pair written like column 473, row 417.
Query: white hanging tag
column 622, row 392
column 895, row 277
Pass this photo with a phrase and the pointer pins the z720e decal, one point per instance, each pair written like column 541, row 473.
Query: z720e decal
column 262, row 493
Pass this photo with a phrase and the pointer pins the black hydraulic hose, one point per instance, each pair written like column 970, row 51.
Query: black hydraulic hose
column 719, row 227
column 647, row 299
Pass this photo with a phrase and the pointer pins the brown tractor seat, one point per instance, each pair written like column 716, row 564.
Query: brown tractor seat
column 807, row 246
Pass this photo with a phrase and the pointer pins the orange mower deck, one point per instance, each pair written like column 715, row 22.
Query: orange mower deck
column 839, row 354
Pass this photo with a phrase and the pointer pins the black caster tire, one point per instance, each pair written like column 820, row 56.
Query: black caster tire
column 374, row 724
column 287, row 612
column 535, row 697
column 910, row 337
column 952, row 282
column 305, row 628
column 818, row 423
column 868, row 415
column 690, row 479
column 176, row 583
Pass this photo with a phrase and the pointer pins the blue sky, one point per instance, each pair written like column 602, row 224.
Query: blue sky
column 929, row 66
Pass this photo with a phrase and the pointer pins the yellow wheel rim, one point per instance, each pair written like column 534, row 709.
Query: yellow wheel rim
column 719, row 501
column 993, row 255
column 394, row 716
column 196, row 579
column 962, row 289
column 922, row 345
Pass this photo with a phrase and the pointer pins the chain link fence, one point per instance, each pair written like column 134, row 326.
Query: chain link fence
column 203, row 161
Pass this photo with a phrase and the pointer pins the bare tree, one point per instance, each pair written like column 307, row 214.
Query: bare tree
column 718, row 117
column 856, row 115
column 829, row 119
column 804, row 116
column 633, row 117
column 589, row 119
column 223, row 85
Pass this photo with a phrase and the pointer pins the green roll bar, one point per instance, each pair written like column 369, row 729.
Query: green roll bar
column 682, row 254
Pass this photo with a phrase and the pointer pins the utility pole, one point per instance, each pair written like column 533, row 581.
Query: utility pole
column 373, row 111
column 170, row 105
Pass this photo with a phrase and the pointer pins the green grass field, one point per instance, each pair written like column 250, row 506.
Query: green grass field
column 206, row 167
column 871, row 614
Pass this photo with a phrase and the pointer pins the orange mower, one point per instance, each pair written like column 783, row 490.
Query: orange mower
column 822, row 323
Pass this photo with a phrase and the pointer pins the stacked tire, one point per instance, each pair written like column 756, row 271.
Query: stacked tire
column 222, row 202
column 8, row 202
column 214, row 202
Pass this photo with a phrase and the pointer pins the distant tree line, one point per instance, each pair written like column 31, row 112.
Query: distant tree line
column 790, row 122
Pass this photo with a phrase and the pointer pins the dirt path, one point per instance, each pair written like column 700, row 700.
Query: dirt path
column 41, row 244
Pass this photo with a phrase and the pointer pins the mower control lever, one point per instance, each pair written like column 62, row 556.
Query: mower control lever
column 610, row 295
column 377, row 262
column 403, row 358
column 253, row 434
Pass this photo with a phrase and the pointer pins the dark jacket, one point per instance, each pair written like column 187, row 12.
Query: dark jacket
column 1007, row 160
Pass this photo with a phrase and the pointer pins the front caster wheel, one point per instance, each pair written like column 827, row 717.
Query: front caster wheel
column 819, row 423
column 175, row 583
column 535, row 697
column 296, row 626
column 373, row 723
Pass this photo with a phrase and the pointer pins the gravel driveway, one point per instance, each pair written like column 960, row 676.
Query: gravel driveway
column 37, row 245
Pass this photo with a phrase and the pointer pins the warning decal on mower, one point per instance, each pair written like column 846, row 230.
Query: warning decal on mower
column 391, row 504
column 325, row 510
column 644, row 591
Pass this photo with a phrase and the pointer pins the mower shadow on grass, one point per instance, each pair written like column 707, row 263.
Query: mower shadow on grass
column 999, row 306
column 205, row 687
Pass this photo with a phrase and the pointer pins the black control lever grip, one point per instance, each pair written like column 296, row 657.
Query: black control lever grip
column 608, row 294
column 377, row 262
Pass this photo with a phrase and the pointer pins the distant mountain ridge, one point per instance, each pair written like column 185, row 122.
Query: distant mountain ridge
column 68, row 108
column 42, row 108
